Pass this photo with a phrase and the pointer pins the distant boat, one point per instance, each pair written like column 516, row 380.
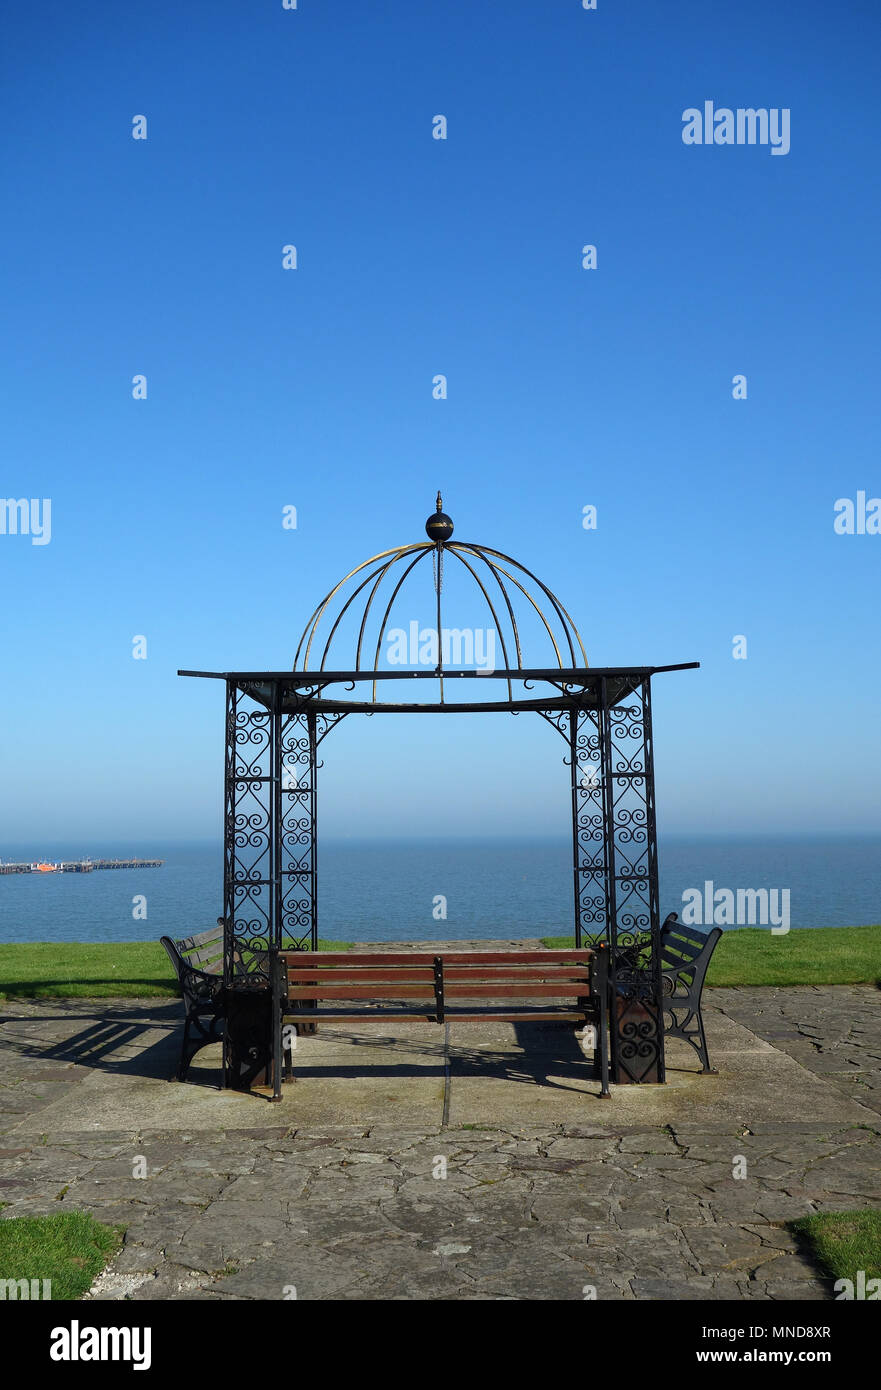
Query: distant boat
column 44, row 868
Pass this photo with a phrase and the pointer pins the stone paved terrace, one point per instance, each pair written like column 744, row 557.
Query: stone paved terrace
column 548, row 1189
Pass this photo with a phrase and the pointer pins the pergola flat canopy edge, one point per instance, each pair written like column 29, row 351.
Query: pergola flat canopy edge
column 576, row 687
column 555, row 674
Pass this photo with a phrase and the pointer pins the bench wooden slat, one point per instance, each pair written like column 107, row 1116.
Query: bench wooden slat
column 565, row 957
column 671, row 962
column 473, row 1015
column 676, row 962
column 404, row 991
column 338, row 1015
column 522, row 990
column 683, row 943
column 202, row 938
column 527, row 1016
column 204, row 959
column 484, row 974
column 199, row 953
column 679, row 948
column 340, row 975
column 569, row 971
column 671, row 951
column 301, row 959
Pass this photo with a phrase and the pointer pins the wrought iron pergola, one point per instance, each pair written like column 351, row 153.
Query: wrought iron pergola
column 276, row 721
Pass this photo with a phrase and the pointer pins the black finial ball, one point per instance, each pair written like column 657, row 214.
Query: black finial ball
column 439, row 527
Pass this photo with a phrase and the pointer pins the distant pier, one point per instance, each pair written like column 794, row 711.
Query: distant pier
column 78, row 866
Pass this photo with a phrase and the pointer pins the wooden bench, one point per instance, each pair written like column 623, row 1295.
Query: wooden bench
column 685, row 955
column 457, row 986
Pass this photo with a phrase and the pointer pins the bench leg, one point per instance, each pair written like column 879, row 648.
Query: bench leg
column 184, row 1060
column 277, row 1053
column 190, row 1045
column 601, row 1049
column 309, row 1027
column 603, row 1053
column 703, row 1053
column 691, row 1030
column 599, row 986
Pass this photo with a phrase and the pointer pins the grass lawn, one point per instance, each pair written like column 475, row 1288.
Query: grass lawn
column 70, row 1249
column 844, row 1242
column 818, row 956
column 82, row 970
column 141, row 970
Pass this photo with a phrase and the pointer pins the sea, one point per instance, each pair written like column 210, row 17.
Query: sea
column 381, row 891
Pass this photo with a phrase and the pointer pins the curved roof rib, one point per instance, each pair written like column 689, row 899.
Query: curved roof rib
column 558, row 625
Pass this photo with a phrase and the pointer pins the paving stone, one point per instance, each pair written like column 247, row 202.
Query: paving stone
column 803, row 1290
column 699, row 1288
column 533, row 1209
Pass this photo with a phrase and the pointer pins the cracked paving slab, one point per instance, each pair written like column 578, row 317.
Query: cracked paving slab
column 353, row 1188
column 834, row 1032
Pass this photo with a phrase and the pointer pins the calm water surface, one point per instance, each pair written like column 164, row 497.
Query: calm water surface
column 385, row 892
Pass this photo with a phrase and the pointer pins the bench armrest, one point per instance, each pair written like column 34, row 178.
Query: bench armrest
column 190, row 975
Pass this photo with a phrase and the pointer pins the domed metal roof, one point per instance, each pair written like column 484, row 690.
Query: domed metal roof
column 363, row 609
column 345, row 635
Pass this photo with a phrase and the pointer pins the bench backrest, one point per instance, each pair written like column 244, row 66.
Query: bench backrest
column 433, row 981
column 204, row 951
column 683, row 948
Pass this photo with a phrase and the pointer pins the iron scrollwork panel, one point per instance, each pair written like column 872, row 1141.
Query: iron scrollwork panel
column 615, row 867
column 593, row 921
column 297, row 917
column 300, row 733
column 637, row 1017
column 248, row 839
column 581, row 729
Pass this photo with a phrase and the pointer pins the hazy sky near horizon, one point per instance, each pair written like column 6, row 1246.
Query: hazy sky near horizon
column 313, row 388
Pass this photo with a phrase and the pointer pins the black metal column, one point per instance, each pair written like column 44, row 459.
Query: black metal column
column 249, row 858
column 576, row 867
column 249, row 883
column 632, row 887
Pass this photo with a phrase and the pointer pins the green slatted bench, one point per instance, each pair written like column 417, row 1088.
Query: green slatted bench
column 198, row 964
column 685, row 956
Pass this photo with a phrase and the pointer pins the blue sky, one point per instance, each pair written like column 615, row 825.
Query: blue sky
column 313, row 388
